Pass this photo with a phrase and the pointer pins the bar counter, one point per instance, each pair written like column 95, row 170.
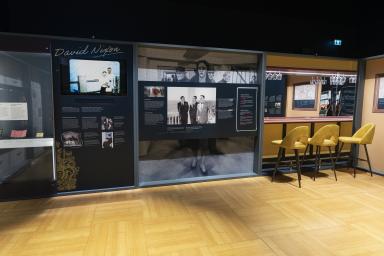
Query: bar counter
column 320, row 119
column 276, row 128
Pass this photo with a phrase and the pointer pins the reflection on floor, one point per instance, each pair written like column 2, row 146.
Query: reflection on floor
column 239, row 217
column 172, row 159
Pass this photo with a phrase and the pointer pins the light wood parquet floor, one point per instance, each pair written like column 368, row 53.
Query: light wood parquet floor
column 238, row 217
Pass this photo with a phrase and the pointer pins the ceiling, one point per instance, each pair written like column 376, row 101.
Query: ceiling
column 289, row 27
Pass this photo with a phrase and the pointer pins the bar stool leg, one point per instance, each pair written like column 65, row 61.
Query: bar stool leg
column 298, row 166
column 317, row 162
column 333, row 163
column 277, row 162
column 352, row 158
column 368, row 160
column 338, row 153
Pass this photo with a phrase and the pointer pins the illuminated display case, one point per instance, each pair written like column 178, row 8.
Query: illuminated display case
column 26, row 124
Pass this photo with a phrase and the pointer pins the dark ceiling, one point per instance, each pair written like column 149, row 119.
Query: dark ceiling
column 289, row 27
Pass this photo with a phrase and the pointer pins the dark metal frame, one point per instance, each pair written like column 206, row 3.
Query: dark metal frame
column 258, row 143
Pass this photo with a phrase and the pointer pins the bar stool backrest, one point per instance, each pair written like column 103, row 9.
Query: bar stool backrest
column 365, row 133
column 298, row 134
column 327, row 132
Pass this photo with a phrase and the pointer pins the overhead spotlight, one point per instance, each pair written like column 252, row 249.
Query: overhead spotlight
column 338, row 79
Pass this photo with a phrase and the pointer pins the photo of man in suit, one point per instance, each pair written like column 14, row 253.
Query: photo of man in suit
column 193, row 110
column 111, row 80
column 104, row 84
column 202, row 111
column 183, row 108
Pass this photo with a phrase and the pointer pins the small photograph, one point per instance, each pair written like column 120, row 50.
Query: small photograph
column 106, row 123
column 71, row 139
column 168, row 76
column 191, row 105
column 18, row 133
column 107, row 140
column 154, row 91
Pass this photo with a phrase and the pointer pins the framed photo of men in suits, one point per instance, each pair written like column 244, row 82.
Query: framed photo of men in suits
column 191, row 105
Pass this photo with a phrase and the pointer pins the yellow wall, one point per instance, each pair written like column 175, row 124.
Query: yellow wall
column 310, row 62
column 376, row 149
column 300, row 113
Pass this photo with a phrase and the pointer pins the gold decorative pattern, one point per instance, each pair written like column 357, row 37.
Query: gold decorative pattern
column 67, row 170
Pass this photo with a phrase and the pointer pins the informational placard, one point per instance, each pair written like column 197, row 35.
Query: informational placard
column 174, row 110
column 378, row 105
column 11, row 111
column 94, row 115
column 246, row 109
column 275, row 97
column 304, row 96
column 347, row 99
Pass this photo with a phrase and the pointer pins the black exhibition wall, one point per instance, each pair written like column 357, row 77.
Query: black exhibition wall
column 94, row 115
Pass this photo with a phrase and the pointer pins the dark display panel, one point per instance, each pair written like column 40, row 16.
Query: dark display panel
column 94, row 115
column 275, row 97
column 193, row 110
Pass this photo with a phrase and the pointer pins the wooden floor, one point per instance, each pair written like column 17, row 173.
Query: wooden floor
column 233, row 217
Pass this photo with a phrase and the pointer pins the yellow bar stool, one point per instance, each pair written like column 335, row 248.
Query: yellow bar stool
column 296, row 139
column 363, row 136
column 326, row 136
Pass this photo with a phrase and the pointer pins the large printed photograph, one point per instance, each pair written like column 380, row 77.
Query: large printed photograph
column 191, row 105
column 94, row 77
column 197, row 66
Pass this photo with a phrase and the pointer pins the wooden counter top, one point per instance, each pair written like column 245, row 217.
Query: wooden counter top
column 278, row 120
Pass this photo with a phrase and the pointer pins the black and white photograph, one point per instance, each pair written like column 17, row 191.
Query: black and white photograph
column 71, row 139
column 106, row 123
column 107, row 140
column 207, row 73
column 197, row 66
column 191, row 105
column 154, row 91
